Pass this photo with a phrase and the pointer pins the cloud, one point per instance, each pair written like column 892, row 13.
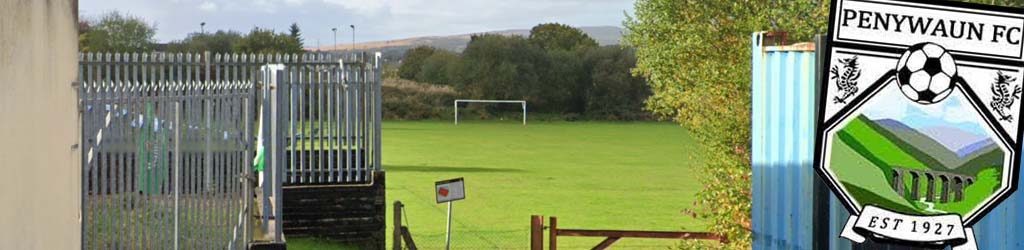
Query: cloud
column 208, row 6
column 888, row 104
column 375, row 20
column 294, row 2
column 954, row 111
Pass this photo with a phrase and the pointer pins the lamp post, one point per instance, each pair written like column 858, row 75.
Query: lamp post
column 202, row 28
column 335, row 30
column 353, row 37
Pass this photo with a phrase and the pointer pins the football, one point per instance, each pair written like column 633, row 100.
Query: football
column 925, row 73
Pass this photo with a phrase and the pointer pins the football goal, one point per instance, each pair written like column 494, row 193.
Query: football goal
column 520, row 102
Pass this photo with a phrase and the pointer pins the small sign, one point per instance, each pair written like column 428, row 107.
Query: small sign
column 450, row 190
column 919, row 121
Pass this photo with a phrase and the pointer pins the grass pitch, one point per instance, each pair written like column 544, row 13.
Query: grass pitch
column 591, row 175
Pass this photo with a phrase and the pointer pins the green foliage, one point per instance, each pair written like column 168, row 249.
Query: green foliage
column 219, row 42
column 502, row 67
column 558, row 70
column 408, row 100
column 413, row 61
column 437, row 68
column 613, row 92
column 555, row 36
column 267, row 41
column 116, row 32
column 295, row 32
column 563, row 82
column 695, row 56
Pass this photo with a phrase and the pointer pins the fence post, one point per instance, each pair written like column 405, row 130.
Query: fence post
column 276, row 149
column 247, row 170
column 536, row 232
column 378, row 107
column 177, row 170
column 553, row 233
column 396, row 237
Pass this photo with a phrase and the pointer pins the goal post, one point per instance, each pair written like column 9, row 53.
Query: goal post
column 520, row 102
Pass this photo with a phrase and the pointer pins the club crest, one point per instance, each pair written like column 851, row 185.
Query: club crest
column 916, row 132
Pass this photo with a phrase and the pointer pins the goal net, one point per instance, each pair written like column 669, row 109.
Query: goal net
column 520, row 102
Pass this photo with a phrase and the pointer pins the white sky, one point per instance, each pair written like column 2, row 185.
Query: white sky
column 375, row 20
column 954, row 111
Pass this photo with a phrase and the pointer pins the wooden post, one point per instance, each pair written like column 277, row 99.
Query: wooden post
column 409, row 244
column 553, row 231
column 396, row 237
column 536, row 232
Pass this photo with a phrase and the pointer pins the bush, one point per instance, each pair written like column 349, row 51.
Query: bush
column 437, row 67
column 409, row 100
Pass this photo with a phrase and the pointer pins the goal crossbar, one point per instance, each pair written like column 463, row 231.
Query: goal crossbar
column 457, row 101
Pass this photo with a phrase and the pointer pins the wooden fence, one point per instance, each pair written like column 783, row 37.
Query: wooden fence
column 611, row 236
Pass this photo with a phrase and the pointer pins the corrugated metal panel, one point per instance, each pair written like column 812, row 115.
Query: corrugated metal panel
column 782, row 120
column 782, row 126
column 1003, row 228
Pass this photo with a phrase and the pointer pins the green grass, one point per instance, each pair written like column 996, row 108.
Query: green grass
column 591, row 175
column 877, row 145
column 312, row 243
column 859, row 175
column 862, row 157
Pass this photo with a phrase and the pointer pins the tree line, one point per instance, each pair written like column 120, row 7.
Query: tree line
column 557, row 69
column 117, row 32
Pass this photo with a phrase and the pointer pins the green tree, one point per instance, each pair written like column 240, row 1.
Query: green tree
column 116, row 32
column 563, row 82
column 267, row 41
column 413, row 61
column 503, row 67
column 436, row 68
column 218, row 42
column 295, row 32
column 613, row 93
column 552, row 36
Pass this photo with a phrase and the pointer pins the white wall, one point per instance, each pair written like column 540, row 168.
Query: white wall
column 39, row 132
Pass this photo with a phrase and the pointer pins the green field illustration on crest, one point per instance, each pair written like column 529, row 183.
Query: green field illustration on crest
column 879, row 157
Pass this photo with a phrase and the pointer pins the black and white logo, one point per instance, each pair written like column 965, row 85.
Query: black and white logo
column 918, row 126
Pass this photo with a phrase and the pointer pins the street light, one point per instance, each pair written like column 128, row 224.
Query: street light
column 353, row 37
column 335, row 30
column 202, row 27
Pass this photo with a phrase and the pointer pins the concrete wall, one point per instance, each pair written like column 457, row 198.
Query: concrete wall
column 39, row 132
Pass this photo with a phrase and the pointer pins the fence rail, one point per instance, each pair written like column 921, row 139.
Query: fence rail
column 169, row 141
column 537, row 234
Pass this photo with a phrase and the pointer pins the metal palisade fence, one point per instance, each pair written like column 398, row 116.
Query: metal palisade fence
column 327, row 116
column 170, row 141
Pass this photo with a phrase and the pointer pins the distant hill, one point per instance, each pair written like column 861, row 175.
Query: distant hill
column 972, row 148
column 953, row 138
column 604, row 35
column 923, row 146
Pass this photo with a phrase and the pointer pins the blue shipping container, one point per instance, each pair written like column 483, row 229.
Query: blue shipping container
column 785, row 209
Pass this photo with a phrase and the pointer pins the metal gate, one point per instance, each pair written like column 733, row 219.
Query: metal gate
column 326, row 120
column 169, row 141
